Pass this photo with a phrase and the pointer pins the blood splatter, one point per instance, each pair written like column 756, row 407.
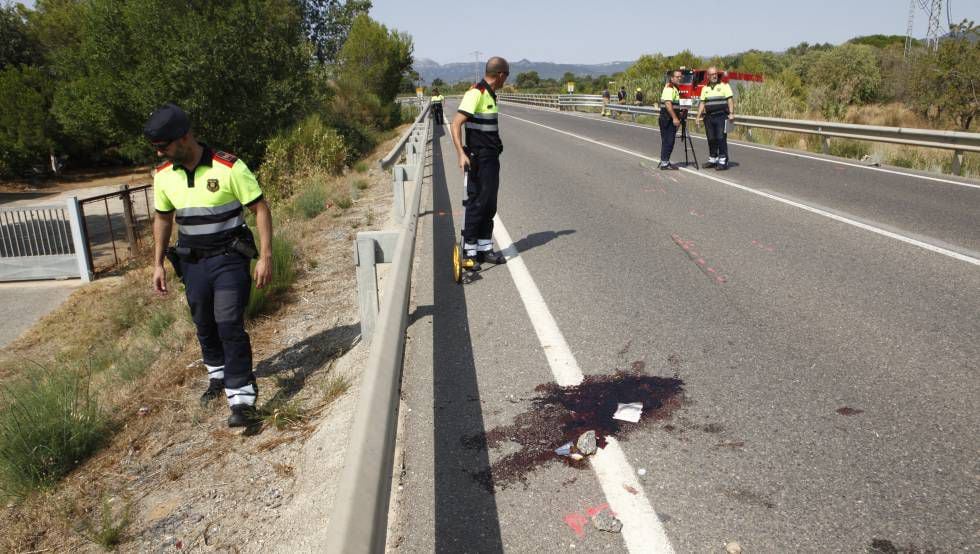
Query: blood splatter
column 848, row 411
column 560, row 414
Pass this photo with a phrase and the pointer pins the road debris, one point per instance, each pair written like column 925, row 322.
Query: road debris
column 629, row 412
column 586, row 443
column 733, row 547
column 641, row 472
column 604, row 521
column 564, row 450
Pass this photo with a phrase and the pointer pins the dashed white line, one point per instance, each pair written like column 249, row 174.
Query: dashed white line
column 854, row 223
column 642, row 530
column 773, row 150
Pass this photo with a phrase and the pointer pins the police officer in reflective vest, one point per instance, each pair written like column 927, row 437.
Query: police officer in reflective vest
column 206, row 191
column 670, row 110
column 717, row 102
column 437, row 106
column 481, row 158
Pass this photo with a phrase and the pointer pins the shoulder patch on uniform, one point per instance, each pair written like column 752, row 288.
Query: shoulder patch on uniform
column 163, row 166
column 224, row 158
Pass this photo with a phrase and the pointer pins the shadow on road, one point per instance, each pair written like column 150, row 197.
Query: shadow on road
column 465, row 512
column 540, row 239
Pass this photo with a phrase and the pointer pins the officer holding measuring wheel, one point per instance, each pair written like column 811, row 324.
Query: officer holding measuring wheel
column 206, row 192
column 480, row 157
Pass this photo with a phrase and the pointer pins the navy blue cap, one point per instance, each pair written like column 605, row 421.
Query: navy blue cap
column 167, row 123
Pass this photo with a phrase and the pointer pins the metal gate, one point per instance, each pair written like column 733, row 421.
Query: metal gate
column 42, row 242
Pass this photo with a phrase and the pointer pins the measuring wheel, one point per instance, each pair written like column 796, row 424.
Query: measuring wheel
column 457, row 263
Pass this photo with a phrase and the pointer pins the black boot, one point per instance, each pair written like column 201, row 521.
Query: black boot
column 215, row 388
column 242, row 415
column 492, row 257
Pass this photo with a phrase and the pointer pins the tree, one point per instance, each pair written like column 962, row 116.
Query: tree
column 328, row 22
column 527, row 79
column 568, row 77
column 17, row 47
column 848, row 74
column 240, row 69
column 946, row 82
column 371, row 66
column 437, row 82
column 25, row 126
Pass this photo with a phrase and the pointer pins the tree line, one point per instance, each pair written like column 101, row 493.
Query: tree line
column 821, row 79
column 78, row 78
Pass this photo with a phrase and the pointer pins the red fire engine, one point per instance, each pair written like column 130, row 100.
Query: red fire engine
column 693, row 80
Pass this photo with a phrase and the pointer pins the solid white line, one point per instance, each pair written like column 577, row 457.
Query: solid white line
column 885, row 233
column 642, row 530
column 773, row 150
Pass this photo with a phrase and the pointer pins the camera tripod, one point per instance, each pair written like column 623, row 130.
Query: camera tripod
column 688, row 143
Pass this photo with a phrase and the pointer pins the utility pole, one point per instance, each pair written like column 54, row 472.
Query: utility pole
column 476, row 60
column 934, row 9
column 932, row 35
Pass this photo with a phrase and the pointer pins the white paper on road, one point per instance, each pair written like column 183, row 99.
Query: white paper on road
column 629, row 412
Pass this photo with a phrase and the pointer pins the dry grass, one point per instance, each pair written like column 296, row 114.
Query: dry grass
column 142, row 353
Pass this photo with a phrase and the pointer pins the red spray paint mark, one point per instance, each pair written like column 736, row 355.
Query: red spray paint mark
column 689, row 247
column 577, row 520
column 763, row 246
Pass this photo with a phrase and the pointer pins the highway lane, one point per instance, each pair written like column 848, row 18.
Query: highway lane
column 829, row 373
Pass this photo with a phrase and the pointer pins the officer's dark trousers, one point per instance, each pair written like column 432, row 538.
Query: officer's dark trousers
column 481, row 196
column 437, row 113
column 668, row 131
column 714, row 127
column 217, row 292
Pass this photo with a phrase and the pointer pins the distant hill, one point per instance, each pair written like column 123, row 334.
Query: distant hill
column 466, row 71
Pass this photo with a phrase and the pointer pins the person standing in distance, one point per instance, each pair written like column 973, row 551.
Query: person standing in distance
column 670, row 107
column 437, row 99
column 717, row 101
column 481, row 158
column 205, row 191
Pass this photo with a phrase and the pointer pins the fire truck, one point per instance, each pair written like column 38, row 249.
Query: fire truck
column 693, row 80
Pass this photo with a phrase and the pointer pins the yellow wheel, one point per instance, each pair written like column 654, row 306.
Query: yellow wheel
column 457, row 264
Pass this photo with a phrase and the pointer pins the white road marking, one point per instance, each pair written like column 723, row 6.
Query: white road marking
column 642, row 530
column 773, row 150
column 854, row 223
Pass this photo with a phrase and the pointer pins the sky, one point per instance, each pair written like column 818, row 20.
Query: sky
column 578, row 31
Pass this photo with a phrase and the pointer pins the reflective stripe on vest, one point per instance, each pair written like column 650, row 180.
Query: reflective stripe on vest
column 210, row 220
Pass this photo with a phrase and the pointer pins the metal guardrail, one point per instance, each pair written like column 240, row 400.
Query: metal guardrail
column 957, row 141
column 360, row 514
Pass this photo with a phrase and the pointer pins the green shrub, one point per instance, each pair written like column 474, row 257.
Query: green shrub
column 310, row 201
column 159, row 322
column 343, row 201
column 361, row 167
column 361, row 184
column 109, row 531
column 283, row 275
column 311, row 146
column 49, row 423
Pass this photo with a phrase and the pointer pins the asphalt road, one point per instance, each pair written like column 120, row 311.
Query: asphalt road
column 817, row 377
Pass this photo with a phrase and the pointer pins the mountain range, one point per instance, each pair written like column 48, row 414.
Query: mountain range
column 467, row 71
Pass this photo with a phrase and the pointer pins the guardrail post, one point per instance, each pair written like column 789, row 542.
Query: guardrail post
column 399, row 176
column 957, row 166
column 367, row 285
column 824, row 141
column 79, row 240
column 748, row 135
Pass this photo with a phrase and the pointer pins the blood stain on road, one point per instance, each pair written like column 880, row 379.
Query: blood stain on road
column 560, row 414
column 848, row 411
